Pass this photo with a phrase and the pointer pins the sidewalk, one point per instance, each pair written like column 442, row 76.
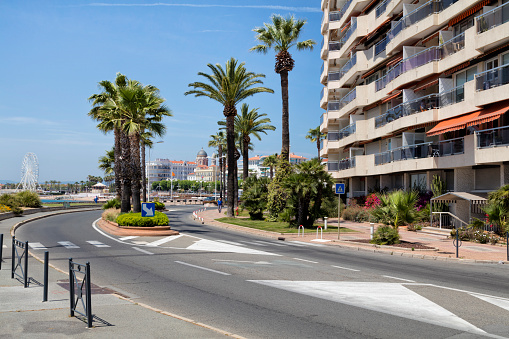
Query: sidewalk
column 23, row 314
column 443, row 248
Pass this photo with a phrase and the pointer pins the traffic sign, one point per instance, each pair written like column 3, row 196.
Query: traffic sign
column 340, row 188
column 148, row 209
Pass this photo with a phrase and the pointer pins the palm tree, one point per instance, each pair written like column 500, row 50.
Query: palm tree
column 219, row 140
column 106, row 162
column 282, row 34
column 270, row 162
column 314, row 135
column 229, row 86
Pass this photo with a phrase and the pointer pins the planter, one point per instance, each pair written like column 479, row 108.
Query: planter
column 113, row 229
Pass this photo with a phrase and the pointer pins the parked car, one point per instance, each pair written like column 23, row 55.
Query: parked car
column 209, row 200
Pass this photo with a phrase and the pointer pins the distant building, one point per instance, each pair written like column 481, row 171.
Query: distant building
column 256, row 165
column 201, row 158
column 162, row 169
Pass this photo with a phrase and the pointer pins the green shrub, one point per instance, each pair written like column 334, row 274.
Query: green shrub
column 416, row 226
column 17, row 210
column 355, row 213
column 111, row 214
column 159, row 206
column 113, row 203
column 135, row 219
column 254, row 196
column 464, row 234
column 28, row 199
column 385, row 235
column 10, row 200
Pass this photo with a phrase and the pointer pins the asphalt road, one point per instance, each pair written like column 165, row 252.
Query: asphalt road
column 259, row 287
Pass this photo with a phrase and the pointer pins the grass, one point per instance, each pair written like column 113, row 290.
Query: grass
column 279, row 227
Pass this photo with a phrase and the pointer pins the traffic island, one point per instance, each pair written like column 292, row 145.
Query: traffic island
column 113, row 229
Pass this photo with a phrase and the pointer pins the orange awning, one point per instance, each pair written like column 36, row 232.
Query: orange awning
column 391, row 96
column 429, row 81
column 468, row 12
column 470, row 119
column 457, row 68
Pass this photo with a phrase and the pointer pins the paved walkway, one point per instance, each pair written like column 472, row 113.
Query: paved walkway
column 23, row 314
column 440, row 241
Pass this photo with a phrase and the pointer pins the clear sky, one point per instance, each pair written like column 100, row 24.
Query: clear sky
column 55, row 52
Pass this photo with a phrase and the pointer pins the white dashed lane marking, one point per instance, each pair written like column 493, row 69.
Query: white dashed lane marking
column 97, row 243
column 68, row 244
column 142, row 250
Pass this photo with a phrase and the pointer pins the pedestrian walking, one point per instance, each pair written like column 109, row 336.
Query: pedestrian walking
column 219, row 205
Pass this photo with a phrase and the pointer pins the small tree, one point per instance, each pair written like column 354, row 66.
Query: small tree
column 276, row 200
column 254, row 196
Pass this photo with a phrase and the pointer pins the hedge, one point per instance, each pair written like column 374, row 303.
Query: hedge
column 135, row 219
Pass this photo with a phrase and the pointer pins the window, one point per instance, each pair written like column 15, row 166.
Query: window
column 465, row 76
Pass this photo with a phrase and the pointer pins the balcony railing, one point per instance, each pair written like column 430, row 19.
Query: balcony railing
column 424, row 57
column 337, row 105
column 493, row 18
column 335, row 45
column 321, row 144
column 418, row 14
column 450, row 147
column 322, row 68
column 493, row 137
column 335, row 76
column 492, row 78
column 336, row 16
column 333, row 166
column 380, row 46
column 350, row 30
column 381, row 8
column 333, row 136
column 421, row 151
column 407, row 108
column 348, row 130
column 321, row 94
column 322, row 118
column 452, row 96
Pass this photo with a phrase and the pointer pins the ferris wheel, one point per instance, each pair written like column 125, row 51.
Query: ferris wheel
column 29, row 173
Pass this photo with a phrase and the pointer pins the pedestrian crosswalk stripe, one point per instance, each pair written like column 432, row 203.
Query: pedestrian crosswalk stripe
column 269, row 243
column 164, row 240
column 254, row 243
column 37, row 246
column 68, row 244
column 128, row 237
column 216, row 246
column 97, row 243
column 231, row 242
column 295, row 242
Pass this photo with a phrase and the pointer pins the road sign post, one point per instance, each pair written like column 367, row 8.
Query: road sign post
column 340, row 189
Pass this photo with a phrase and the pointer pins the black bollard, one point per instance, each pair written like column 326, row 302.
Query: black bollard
column 71, row 286
column 25, row 277
column 457, row 241
column 89, row 295
column 1, row 248
column 46, row 262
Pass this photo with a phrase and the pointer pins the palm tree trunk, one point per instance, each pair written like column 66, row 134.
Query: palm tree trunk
column 134, row 143
column 285, row 125
column 220, row 152
column 143, row 174
column 236, row 182
column 245, row 157
column 117, row 166
column 230, row 142
column 125, row 174
column 318, row 147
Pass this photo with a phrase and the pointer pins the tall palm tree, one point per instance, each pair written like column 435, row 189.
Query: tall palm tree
column 282, row 34
column 229, row 86
column 106, row 162
column 314, row 135
column 219, row 140
column 248, row 123
column 270, row 162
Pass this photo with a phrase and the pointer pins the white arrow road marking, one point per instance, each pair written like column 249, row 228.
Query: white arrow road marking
column 231, row 242
column 142, row 250
column 68, row 244
column 215, row 246
column 202, row 268
column 244, row 261
column 163, row 240
column 97, row 243
column 388, row 276
column 390, row 298
column 37, row 246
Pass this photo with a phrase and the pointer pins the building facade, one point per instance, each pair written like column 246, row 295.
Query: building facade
column 256, row 165
column 162, row 169
column 413, row 90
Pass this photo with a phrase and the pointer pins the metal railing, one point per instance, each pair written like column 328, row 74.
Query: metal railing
column 380, row 46
column 80, row 290
column 321, row 144
column 336, row 16
column 335, row 45
column 491, row 19
column 333, row 166
column 451, row 96
column 322, row 68
column 333, row 136
column 351, row 29
column 418, row 14
column 381, row 8
column 321, row 94
column 451, row 147
column 407, row 108
column 417, row 151
column 492, row 78
column 20, row 261
column 335, row 76
column 493, row 137
column 337, row 105
column 322, row 118
column 452, row 46
column 348, row 130
column 446, row 220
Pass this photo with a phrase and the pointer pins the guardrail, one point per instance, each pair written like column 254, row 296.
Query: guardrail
column 79, row 288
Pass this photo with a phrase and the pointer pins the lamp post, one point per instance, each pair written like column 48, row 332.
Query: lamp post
column 148, row 169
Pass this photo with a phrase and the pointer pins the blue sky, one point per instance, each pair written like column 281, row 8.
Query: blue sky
column 55, row 53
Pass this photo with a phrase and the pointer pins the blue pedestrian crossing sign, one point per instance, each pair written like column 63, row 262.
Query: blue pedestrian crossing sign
column 340, row 188
column 148, row 209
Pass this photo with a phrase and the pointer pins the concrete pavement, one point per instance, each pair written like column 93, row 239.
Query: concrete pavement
column 22, row 312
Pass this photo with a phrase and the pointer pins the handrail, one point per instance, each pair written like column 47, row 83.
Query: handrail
column 381, row 8
column 447, row 213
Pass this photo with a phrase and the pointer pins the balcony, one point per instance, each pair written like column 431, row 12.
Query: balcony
column 408, row 108
column 333, row 166
column 336, row 76
column 496, row 17
column 333, row 136
column 348, row 130
column 380, row 46
column 452, row 96
column 337, row 15
column 492, row 78
column 337, row 105
column 420, row 151
column 380, row 9
column 493, row 137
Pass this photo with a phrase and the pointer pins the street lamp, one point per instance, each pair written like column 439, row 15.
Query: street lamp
column 148, row 169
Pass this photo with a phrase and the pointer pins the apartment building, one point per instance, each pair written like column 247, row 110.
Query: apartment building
column 256, row 164
column 166, row 169
column 414, row 89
